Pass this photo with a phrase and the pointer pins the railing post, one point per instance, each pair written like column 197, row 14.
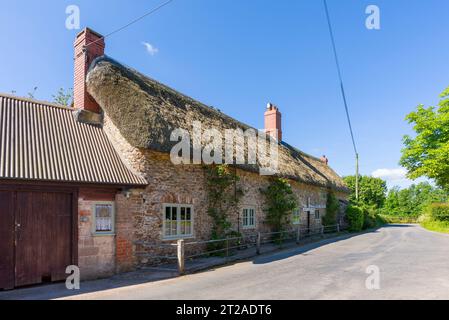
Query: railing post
column 338, row 228
column 322, row 231
column 181, row 257
column 258, row 240
column 298, row 235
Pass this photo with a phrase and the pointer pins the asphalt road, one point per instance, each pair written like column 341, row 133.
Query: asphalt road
column 413, row 264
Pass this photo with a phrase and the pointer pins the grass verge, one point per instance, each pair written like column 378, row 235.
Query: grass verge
column 437, row 226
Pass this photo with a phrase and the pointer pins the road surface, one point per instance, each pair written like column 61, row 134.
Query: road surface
column 413, row 264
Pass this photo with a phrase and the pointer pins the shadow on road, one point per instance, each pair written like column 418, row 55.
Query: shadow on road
column 308, row 247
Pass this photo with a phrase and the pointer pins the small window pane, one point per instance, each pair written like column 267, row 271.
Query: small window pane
column 168, row 228
column 103, row 218
column 167, row 213
column 183, row 213
column 249, row 218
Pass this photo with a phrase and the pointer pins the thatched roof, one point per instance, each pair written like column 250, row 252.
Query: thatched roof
column 146, row 112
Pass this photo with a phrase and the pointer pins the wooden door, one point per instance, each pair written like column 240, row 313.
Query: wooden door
column 6, row 240
column 43, row 237
column 37, row 236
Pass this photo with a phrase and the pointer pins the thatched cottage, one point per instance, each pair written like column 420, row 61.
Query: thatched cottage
column 82, row 186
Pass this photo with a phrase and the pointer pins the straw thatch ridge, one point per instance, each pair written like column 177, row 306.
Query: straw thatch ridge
column 146, row 112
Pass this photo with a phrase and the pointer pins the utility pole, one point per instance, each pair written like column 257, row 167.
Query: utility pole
column 357, row 176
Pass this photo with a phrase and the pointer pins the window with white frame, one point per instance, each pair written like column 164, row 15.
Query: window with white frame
column 249, row 218
column 103, row 215
column 317, row 215
column 178, row 221
column 296, row 216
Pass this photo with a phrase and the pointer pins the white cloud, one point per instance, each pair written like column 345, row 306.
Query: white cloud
column 396, row 177
column 152, row 50
column 390, row 174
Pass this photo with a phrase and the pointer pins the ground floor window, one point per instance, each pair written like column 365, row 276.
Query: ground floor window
column 249, row 218
column 317, row 215
column 178, row 221
column 296, row 216
column 103, row 218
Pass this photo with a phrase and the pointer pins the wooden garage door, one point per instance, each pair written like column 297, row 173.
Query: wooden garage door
column 39, row 237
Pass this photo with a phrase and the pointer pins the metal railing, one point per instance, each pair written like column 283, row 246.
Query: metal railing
column 227, row 246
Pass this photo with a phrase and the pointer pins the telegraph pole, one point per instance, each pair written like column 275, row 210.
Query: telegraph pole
column 357, row 176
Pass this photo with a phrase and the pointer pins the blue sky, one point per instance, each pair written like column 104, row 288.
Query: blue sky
column 239, row 55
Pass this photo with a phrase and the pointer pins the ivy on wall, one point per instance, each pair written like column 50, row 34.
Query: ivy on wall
column 280, row 201
column 332, row 208
column 223, row 196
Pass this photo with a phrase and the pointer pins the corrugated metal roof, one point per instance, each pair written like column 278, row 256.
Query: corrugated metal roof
column 42, row 141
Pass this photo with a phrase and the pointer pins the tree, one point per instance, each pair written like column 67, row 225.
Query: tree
column 63, row 97
column 280, row 202
column 372, row 191
column 426, row 154
column 413, row 200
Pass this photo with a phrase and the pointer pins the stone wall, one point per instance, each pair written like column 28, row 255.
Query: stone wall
column 96, row 253
column 140, row 211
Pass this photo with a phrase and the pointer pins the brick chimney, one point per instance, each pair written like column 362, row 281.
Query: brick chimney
column 325, row 160
column 273, row 123
column 84, row 55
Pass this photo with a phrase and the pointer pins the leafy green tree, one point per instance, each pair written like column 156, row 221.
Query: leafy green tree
column 63, row 97
column 427, row 154
column 280, row 202
column 372, row 191
column 412, row 201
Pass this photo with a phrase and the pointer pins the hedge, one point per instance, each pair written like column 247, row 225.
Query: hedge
column 355, row 218
column 438, row 211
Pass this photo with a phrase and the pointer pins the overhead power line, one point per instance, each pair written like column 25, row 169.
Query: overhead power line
column 133, row 21
column 337, row 62
column 342, row 87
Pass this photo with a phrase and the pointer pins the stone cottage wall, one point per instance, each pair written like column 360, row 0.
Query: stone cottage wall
column 140, row 211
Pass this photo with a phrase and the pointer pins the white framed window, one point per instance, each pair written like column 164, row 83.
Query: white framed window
column 103, row 218
column 317, row 214
column 249, row 218
column 296, row 217
column 178, row 221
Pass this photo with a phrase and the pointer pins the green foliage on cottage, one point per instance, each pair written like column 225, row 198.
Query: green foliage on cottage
column 280, row 202
column 223, row 195
column 332, row 208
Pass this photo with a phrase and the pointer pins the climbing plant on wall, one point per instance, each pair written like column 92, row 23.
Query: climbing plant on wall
column 223, row 196
column 280, row 201
column 332, row 207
